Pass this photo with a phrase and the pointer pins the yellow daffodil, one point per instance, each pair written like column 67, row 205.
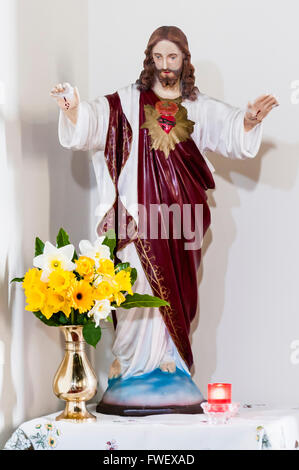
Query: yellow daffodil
column 106, row 266
column 60, row 280
column 35, row 290
column 54, row 303
column 81, row 296
column 47, row 310
column 86, row 267
column 103, row 291
column 35, row 298
column 123, row 280
column 31, row 278
column 56, row 300
column 119, row 298
column 66, row 308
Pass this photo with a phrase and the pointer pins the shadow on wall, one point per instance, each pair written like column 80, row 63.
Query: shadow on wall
column 51, row 187
column 276, row 166
column 66, row 204
column 53, row 183
column 67, row 181
column 281, row 157
column 10, row 320
column 7, row 390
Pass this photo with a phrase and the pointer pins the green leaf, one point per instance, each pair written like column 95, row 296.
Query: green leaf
column 39, row 247
column 51, row 322
column 121, row 266
column 133, row 275
column 17, row 279
column 92, row 334
column 63, row 239
column 78, row 277
column 110, row 241
column 63, row 319
column 82, row 319
column 143, row 300
column 109, row 319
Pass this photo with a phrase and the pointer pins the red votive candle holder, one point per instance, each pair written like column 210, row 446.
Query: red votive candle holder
column 219, row 394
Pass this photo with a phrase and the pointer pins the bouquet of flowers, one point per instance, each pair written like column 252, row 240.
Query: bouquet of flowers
column 66, row 289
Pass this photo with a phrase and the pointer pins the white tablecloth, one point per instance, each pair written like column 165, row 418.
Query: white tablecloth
column 254, row 428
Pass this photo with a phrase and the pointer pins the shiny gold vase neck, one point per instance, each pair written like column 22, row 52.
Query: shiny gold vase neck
column 74, row 340
column 75, row 380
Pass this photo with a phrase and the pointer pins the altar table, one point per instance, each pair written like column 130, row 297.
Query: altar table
column 255, row 427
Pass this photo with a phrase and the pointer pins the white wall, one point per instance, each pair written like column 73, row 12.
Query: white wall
column 248, row 279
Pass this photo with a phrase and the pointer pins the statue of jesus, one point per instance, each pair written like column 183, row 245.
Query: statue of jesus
column 149, row 141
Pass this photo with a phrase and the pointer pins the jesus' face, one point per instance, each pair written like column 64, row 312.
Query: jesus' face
column 168, row 59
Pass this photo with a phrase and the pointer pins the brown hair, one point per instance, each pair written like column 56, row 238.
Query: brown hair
column 147, row 76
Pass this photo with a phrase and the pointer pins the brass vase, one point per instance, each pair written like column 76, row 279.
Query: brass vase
column 75, row 380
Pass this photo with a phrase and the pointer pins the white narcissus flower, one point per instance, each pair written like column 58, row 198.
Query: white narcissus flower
column 53, row 258
column 100, row 310
column 96, row 251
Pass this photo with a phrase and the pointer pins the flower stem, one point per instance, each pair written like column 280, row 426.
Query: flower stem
column 73, row 317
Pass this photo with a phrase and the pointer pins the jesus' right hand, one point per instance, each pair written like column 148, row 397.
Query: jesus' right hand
column 68, row 105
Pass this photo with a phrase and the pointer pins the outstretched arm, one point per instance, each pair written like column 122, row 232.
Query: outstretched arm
column 257, row 111
column 230, row 131
column 68, row 104
column 82, row 125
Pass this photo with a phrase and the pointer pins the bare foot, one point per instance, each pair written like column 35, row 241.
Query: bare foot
column 115, row 369
column 168, row 367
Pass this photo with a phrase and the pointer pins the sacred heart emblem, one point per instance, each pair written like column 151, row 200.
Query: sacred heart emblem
column 166, row 123
column 167, row 111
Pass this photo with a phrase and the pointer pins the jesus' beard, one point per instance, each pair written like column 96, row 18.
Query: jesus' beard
column 168, row 81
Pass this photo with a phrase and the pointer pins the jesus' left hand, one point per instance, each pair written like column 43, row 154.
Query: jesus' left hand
column 257, row 111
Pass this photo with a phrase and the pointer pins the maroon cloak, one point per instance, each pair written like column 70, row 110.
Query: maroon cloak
column 181, row 179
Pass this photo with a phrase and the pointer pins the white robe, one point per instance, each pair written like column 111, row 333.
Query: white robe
column 142, row 341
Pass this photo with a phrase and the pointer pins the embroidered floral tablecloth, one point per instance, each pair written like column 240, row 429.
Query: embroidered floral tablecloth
column 256, row 427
